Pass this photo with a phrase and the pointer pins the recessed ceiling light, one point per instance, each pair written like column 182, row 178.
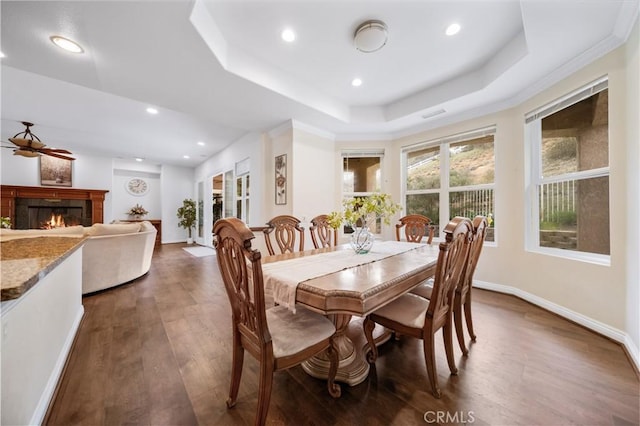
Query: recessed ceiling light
column 453, row 29
column 186, row 157
column 200, row 143
column 288, row 35
column 2, row 55
column 152, row 110
column 356, row 82
column 66, row 44
column 139, row 160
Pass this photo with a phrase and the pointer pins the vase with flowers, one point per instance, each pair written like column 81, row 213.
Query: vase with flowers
column 361, row 214
column 137, row 211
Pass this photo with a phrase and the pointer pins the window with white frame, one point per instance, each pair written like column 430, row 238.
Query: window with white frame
column 568, row 187
column 361, row 176
column 242, row 189
column 242, row 197
column 451, row 176
column 228, row 194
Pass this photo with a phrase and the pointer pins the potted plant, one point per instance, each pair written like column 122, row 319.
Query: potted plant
column 187, row 216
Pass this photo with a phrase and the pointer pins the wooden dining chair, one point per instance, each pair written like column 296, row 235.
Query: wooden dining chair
column 322, row 234
column 276, row 337
column 462, row 300
column 416, row 227
column 285, row 230
column 415, row 316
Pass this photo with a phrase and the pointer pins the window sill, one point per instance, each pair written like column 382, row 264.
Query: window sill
column 596, row 259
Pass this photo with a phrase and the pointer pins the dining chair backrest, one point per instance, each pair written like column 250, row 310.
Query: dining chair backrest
column 479, row 234
column 416, row 227
column 277, row 338
column 322, row 234
column 241, row 270
column 285, row 230
column 449, row 269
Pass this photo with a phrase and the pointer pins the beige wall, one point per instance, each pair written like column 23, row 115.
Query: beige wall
column 632, row 224
column 278, row 143
column 313, row 178
column 595, row 291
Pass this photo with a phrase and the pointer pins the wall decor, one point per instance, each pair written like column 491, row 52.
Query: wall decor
column 55, row 171
column 281, row 179
column 137, row 186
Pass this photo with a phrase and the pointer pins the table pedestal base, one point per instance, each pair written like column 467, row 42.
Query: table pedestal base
column 353, row 368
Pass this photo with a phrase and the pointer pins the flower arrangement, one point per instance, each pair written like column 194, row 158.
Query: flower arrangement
column 364, row 211
column 137, row 210
column 360, row 213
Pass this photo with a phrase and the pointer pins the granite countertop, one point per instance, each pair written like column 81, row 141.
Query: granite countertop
column 24, row 261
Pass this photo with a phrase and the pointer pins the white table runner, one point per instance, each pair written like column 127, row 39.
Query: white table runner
column 284, row 276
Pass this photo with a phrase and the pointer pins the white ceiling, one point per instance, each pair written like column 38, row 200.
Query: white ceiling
column 217, row 70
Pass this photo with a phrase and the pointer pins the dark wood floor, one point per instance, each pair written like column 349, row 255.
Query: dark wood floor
column 157, row 352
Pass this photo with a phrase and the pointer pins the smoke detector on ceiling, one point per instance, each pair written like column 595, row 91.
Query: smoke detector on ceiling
column 370, row 36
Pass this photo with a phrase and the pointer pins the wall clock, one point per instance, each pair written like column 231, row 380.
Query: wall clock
column 137, row 186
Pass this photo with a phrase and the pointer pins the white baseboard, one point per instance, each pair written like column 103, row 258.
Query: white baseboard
column 632, row 350
column 47, row 393
column 612, row 333
column 173, row 241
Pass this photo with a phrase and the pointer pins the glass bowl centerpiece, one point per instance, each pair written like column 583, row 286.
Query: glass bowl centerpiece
column 361, row 214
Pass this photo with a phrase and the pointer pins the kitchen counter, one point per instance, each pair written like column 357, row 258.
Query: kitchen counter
column 25, row 261
column 40, row 313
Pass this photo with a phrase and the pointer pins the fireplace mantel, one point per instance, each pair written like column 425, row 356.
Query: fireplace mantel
column 9, row 193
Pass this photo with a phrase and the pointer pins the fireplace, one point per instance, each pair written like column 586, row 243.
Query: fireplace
column 32, row 207
column 35, row 213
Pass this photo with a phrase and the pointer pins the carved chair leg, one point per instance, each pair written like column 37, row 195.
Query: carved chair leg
column 447, row 334
column 372, row 353
column 332, row 352
column 457, row 320
column 430, row 361
column 264, row 391
column 236, row 372
column 468, row 318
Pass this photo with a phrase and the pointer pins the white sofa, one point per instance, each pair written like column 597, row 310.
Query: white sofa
column 116, row 253
column 112, row 254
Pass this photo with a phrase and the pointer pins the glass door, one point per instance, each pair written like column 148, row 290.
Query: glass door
column 217, row 198
column 200, row 214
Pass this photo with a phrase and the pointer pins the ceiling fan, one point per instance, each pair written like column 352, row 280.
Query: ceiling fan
column 29, row 145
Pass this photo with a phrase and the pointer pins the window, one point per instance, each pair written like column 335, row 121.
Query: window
column 361, row 173
column 568, row 190
column 242, row 198
column 228, row 194
column 452, row 176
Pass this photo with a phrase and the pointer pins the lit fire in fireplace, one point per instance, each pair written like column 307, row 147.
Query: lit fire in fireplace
column 56, row 221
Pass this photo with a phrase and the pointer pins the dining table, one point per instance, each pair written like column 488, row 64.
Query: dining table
column 339, row 283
